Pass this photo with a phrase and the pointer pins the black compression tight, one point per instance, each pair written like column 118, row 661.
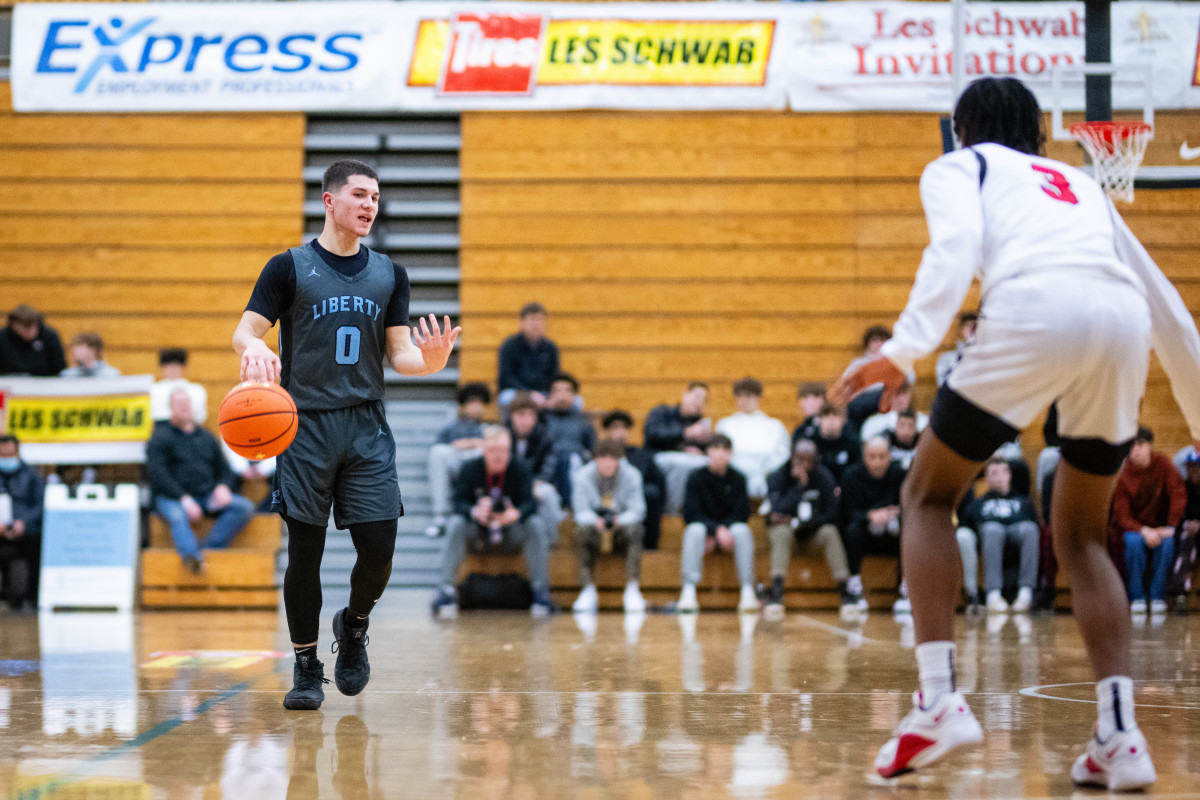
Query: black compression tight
column 375, row 543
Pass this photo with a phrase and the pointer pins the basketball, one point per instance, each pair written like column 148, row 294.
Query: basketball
column 258, row 420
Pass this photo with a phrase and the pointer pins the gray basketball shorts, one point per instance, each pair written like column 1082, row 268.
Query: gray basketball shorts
column 344, row 458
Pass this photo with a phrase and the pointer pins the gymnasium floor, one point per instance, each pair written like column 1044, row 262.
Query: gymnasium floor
column 187, row 705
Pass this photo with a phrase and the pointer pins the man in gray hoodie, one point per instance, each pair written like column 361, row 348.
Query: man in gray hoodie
column 609, row 508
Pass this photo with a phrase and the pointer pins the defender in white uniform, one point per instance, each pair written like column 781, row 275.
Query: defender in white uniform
column 1071, row 306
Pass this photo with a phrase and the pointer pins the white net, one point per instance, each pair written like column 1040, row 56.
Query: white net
column 1116, row 149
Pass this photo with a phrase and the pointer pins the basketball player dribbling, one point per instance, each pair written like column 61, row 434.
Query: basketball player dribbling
column 342, row 308
column 1072, row 304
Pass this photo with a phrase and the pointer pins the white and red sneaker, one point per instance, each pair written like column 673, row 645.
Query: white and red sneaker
column 927, row 734
column 1120, row 764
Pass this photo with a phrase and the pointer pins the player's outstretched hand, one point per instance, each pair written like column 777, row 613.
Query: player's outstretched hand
column 435, row 343
column 260, row 364
column 881, row 370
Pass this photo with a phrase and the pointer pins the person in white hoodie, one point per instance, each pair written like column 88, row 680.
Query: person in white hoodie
column 761, row 444
column 610, row 510
column 1071, row 306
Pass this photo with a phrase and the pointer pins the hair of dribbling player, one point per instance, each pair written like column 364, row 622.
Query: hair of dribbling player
column 1000, row 110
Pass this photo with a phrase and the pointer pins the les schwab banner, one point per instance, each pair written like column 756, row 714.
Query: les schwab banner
column 345, row 56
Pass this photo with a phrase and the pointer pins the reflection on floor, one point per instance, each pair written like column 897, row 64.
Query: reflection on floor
column 187, row 705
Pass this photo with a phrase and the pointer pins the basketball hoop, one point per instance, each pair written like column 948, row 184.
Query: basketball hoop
column 1116, row 149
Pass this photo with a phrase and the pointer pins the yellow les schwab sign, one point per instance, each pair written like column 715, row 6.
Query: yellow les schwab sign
column 629, row 52
column 80, row 419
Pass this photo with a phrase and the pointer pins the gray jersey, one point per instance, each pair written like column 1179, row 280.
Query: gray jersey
column 332, row 340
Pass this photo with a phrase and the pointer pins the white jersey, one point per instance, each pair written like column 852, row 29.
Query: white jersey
column 997, row 215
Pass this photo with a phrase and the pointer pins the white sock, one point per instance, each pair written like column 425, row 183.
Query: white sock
column 854, row 584
column 935, row 665
column 1115, row 696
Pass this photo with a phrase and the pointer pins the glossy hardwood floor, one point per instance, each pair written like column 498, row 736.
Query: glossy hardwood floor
column 187, row 705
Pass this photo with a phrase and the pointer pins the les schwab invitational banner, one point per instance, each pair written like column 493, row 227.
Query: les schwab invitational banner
column 345, row 56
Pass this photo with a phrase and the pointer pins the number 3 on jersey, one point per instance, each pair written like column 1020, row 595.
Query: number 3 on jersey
column 1057, row 185
column 348, row 339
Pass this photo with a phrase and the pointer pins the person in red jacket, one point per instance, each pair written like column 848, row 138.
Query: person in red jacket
column 1147, row 506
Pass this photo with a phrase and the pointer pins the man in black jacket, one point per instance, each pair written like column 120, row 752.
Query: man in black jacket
column 716, row 507
column 679, row 435
column 528, row 361
column 804, row 512
column 28, row 346
column 190, row 479
column 837, row 445
column 871, row 512
column 20, row 523
column 617, row 426
column 494, row 506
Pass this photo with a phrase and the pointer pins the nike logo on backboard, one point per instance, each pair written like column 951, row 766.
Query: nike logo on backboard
column 1188, row 153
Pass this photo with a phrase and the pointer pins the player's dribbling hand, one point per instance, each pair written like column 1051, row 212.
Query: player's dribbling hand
column 881, row 370
column 435, row 343
column 259, row 363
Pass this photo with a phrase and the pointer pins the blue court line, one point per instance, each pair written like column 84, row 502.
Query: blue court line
column 161, row 729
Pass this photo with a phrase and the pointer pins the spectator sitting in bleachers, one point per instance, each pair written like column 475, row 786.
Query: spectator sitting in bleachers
column 190, row 478
column 967, row 322
column 1186, row 538
column 21, row 492
column 569, row 428
column 531, row 443
column 528, row 361
column 252, row 471
column 867, row 402
column 1148, row 504
column 903, row 438
column 87, row 353
column 617, row 426
column 678, row 435
column 804, row 512
column 28, row 346
column 810, row 397
column 172, row 367
column 999, row 517
column 870, row 512
column 881, row 423
column 716, row 508
column 457, row 442
column 609, row 509
column 760, row 443
column 837, row 446
column 494, row 506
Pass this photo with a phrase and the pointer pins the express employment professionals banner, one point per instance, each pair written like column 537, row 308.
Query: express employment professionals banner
column 79, row 420
column 206, row 56
column 899, row 56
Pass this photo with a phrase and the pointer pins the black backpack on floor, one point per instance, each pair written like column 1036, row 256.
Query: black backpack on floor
column 484, row 591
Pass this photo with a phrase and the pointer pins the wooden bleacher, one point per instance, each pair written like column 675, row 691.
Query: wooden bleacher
column 243, row 575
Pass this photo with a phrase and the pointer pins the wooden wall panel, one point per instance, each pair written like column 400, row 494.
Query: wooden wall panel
column 149, row 229
column 710, row 246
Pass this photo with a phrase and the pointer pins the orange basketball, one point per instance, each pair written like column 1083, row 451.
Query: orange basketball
column 258, row 420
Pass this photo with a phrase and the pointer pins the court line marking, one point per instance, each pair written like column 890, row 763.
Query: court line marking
column 834, row 629
column 52, row 785
column 1035, row 691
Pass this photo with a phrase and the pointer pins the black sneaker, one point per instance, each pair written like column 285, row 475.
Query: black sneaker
column 308, row 675
column 352, row 669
